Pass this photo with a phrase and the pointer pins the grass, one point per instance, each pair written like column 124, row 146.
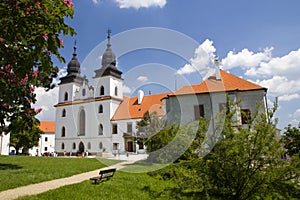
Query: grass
column 109, row 162
column 16, row 171
column 122, row 186
column 143, row 166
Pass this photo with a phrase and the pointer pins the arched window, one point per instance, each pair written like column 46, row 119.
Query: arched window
column 100, row 145
column 66, row 96
column 100, row 108
column 116, row 91
column 63, row 131
column 100, row 129
column 74, row 145
column 83, row 92
column 102, row 90
column 81, row 122
column 89, row 145
column 62, row 145
column 63, row 114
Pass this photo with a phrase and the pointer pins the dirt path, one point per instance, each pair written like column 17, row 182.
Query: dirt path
column 49, row 185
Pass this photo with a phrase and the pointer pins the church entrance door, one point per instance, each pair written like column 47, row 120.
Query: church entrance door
column 81, row 147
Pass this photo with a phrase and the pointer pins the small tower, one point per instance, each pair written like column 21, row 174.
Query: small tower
column 108, row 80
column 72, row 81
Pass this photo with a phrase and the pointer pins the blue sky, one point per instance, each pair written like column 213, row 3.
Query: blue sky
column 257, row 40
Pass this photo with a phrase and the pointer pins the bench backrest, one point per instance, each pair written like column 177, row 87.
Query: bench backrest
column 105, row 171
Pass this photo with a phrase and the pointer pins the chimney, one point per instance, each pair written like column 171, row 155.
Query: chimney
column 218, row 75
column 140, row 96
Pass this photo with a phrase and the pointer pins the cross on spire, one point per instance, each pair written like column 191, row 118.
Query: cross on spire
column 108, row 33
column 75, row 47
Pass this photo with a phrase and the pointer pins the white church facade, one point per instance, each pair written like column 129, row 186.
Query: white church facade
column 99, row 120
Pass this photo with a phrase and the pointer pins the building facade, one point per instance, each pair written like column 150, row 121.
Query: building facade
column 99, row 120
column 46, row 145
column 209, row 98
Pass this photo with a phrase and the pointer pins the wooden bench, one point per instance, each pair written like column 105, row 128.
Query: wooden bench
column 105, row 173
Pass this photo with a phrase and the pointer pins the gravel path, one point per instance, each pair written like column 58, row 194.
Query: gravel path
column 49, row 185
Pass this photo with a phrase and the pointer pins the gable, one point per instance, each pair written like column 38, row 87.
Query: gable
column 227, row 83
column 130, row 109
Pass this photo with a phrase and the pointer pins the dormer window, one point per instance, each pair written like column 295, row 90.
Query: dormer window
column 102, row 90
column 83, row 92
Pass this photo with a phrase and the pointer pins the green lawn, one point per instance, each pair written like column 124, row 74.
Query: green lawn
column 16, row 171
column 121, row 187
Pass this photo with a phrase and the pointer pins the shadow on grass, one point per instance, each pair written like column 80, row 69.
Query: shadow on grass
column 142, row 166
column 99, row 181
column 173, row 193
column 9, row 166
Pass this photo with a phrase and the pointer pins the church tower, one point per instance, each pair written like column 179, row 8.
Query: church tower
column 71, row 82
column 107, row 80
column 66, row 127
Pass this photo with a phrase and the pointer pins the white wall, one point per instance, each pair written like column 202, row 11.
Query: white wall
column 4, row 144
column 122, row 128
column 93, row 120
column 181, row 108
column 44, row 146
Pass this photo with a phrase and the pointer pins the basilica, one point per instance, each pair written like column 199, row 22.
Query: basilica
column 98, row 120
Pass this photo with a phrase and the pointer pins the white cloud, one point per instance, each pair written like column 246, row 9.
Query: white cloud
column 46, row 101
column 246, row 59
column 61, row 73
column 297, row 113
column 142, row 78
column 295, row 118
column 286, row 65
column 289, row 97
column 280, row 74
column 141, row 3
column 96, row 1
column 202, row 58
column 126, row 89
column 280, row 85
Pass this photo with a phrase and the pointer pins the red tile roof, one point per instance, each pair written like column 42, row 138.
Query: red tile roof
column 130, row 109
column 227, row 83
column 47, row 126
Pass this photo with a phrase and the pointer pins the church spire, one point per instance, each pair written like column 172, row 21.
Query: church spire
column 108, row 62
column 73, row 70
column 74, row 65
column 108, row 38
column 108, row 58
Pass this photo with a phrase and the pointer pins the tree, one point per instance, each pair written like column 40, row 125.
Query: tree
column 291, row 139
column 244, row 164
column 176, row 142
column 148, row 126
column 24, row 139
column 29, row 38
